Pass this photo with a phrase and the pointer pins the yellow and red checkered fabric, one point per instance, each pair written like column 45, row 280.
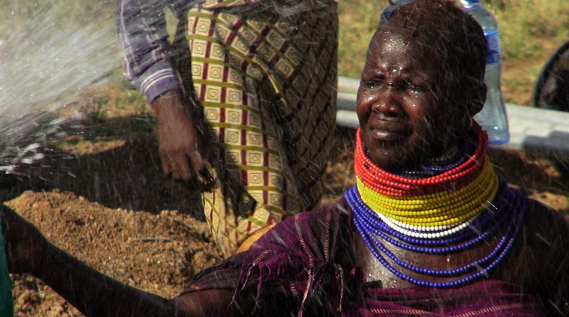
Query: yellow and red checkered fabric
column 268, row 89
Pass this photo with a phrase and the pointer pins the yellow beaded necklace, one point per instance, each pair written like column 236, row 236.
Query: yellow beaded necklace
column 437, row 209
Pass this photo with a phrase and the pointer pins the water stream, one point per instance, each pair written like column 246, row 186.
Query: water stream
column 49, row 51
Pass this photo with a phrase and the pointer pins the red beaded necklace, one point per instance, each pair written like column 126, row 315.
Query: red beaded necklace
column 393, row 185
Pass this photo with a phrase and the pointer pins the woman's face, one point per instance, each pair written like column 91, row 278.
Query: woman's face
column 403, row 115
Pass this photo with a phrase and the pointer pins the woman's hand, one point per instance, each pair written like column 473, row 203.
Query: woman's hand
column 182, row 142
column 24, row 243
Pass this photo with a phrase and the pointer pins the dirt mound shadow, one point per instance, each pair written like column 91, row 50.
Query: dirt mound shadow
column 127, row 176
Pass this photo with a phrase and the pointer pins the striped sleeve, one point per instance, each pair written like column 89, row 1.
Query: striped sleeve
column 147, row 55
column 280, row 8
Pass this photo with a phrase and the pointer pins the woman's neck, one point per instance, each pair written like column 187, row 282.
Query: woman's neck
column 459, row 149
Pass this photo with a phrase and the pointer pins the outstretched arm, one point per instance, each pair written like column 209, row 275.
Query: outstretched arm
column 95, row 294
column 147, row 53
column 91, row 292
column 149, row 63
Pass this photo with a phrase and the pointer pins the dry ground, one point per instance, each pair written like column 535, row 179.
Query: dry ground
column 112, row 208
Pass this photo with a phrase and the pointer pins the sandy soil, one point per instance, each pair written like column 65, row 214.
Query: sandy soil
column 112, row 208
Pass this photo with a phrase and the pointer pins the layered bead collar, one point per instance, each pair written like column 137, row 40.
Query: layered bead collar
column 452, row 210
column 397, row 185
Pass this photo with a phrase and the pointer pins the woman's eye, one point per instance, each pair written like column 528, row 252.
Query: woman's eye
column 417, row 89
column 371, row 84
column 414, row 87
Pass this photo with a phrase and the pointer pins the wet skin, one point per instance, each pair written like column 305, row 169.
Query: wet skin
column 405, row 121
column 405, row 117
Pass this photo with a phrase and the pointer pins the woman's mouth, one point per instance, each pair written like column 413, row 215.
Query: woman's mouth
column 388, row 130
column 386, row 136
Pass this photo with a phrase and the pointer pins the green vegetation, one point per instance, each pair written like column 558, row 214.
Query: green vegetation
column 531, row 28
column 358, row 21
column 15, row 14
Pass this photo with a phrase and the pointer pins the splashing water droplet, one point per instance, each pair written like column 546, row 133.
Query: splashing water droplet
column 48, row 55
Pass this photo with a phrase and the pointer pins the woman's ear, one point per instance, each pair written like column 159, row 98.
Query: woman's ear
column 476, row 98
column 466, row 123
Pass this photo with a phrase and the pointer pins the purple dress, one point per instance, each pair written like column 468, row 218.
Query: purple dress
column 307, row 263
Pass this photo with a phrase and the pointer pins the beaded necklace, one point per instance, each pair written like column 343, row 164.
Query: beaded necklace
column 424, row 216
column 451, row 159
column 393, row 185
column 439, row 209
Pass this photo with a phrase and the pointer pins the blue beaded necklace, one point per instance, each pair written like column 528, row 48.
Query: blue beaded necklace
column 477, row 232
column 508, row 204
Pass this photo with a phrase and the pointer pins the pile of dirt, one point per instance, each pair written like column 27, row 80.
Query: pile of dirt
column 156, row 253
column 115, row 211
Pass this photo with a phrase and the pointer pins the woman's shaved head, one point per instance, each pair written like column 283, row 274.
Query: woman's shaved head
column 454, row 39
column 422, row 82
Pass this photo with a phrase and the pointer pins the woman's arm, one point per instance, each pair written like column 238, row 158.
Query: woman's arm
column 150, row 65
column 95, row 294
column 143, row 36
column 91, row 292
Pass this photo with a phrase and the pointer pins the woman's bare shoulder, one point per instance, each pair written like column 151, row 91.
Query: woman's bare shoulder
column 545, row 245
column 541, row 250
column 547, row 226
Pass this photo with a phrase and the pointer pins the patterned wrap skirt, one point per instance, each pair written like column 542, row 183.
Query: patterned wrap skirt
column 267, row 82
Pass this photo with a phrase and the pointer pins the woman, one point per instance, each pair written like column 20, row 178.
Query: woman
column 261, row 76
column 428, row 230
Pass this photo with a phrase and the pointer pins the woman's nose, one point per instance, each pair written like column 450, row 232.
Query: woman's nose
column 387, row 103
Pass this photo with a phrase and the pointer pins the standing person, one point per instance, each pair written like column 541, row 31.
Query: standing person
column 256, row 100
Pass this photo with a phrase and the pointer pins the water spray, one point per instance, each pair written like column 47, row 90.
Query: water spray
column 49, row 51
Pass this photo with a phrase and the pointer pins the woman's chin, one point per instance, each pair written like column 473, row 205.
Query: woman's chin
column 388, row 159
